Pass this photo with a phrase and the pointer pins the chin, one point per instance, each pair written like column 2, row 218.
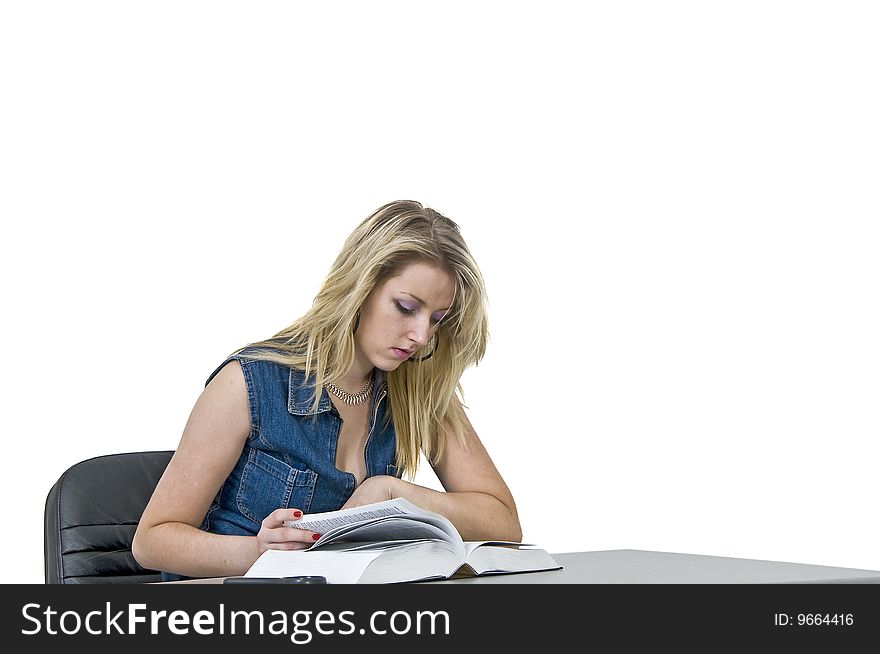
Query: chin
column 387, row 364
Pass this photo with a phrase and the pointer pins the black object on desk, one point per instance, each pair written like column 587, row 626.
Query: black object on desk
column 301, row 579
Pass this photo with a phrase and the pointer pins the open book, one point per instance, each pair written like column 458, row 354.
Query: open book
column 391, row 542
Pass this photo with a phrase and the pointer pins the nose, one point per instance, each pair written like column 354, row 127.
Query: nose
column 420, row 332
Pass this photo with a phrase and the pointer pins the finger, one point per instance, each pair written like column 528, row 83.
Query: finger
column 291, row 534
column 278, row 516
column 287, row 546
column 294, row 534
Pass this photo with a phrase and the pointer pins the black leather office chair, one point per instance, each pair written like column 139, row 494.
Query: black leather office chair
column 91, row 515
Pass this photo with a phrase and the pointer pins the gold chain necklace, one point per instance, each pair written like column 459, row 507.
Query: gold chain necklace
column 349, row 398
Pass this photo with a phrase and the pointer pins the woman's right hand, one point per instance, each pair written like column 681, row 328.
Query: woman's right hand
column 273, row 535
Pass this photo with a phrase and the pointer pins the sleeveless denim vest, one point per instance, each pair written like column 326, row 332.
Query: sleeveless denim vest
column 289, row 458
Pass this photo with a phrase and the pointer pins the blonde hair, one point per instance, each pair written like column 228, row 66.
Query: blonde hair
column 426, row 398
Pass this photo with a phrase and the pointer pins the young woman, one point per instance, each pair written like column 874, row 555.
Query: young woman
column 332, row 411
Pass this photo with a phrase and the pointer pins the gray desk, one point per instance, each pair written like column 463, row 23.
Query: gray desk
column 646, row 567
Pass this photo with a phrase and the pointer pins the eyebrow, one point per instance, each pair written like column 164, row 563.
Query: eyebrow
column 422, row 302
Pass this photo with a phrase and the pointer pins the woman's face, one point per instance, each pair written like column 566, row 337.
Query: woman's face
column 400, row 315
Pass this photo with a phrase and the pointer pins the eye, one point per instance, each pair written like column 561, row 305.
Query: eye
column 407, row 310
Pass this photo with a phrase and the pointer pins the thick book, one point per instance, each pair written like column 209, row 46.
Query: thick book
column 394, row 542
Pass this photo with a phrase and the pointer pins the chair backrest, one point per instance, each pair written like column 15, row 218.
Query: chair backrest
column 91, row 515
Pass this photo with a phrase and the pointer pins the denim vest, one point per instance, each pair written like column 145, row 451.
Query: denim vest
column 289, row 458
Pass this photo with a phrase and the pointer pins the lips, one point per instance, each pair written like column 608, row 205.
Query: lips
column 401, row 353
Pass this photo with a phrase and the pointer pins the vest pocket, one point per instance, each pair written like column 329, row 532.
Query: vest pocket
column 268, row 484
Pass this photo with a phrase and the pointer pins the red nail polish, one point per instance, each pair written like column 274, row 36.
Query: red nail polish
column 297, row 514
column 316, row 536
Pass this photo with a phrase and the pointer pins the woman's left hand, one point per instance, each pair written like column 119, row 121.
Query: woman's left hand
column 373, row 489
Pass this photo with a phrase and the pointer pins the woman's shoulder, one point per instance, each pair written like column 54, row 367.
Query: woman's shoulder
column 258, row 359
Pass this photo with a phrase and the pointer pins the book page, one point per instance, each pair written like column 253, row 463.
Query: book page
column 373, row 546
column 492, row 559
column 396, row 519
column 388, row 529
column 379, row 563
column 413, row 561
column 330, row 520
column 471, row 545
column 338, row 568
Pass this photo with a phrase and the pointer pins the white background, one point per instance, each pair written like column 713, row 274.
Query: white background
column 674, row 205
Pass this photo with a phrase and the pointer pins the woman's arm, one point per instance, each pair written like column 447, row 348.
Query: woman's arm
column 477, row 500
column 168, row 537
